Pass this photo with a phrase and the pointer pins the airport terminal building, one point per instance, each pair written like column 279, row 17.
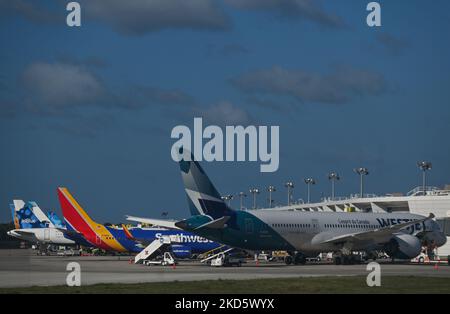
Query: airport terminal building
column 434, row 200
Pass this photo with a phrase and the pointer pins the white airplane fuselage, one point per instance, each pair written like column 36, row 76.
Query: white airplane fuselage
column 41, row 235
column 308, row 231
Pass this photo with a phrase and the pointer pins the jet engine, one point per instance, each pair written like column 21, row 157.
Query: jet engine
column 403, row 246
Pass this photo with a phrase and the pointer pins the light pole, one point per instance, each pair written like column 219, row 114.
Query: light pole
column 424, row 166
column 254, row 191
column 309, row 182
column 271, row 189
column 228, row 198
column 290, row 186
column 362, row 172
column 241, row 196
column 333, row 176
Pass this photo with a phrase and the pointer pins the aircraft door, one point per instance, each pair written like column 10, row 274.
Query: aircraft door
column 47, row 234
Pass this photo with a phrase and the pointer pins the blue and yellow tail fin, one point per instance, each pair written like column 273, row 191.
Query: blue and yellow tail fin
column 24, row 216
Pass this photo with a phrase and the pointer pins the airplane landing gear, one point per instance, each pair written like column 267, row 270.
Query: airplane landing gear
column 288, row 260
column 299, row 259
column 296, row 258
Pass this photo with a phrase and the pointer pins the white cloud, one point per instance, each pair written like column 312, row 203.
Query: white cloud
column 60, row 85
column 224, row 113
column 340, row 85
column 303, row 9
column 138, row 17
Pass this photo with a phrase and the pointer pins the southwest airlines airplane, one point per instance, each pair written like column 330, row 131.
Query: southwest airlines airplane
column 31, row 224
column 135, row 239
column 302, row 234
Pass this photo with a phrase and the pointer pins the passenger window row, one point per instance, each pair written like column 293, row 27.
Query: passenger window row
column 291, row 225
column 346, row 226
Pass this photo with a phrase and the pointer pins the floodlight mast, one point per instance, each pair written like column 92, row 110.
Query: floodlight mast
column 270, row 189
column 361, row 172
column 424, row 166
column 254, row 191
column 290, row 186
column 228, row 198
column 333, row 177
column 241, row 196
column 309, row 182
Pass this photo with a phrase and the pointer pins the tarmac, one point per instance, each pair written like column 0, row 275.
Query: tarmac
column 23, row 268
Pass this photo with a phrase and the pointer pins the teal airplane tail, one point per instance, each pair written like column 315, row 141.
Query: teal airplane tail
column 203, row 197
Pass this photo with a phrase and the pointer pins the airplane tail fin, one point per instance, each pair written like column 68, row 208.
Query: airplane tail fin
column 203, row 198
column 128, row 233
column 40, row 215
column 74, row 215
column 54, row 218
column 14, row 216
column 25, row 217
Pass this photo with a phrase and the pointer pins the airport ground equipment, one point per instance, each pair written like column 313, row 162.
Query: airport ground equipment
column 153, row 249
column 212, row 252
column 209, row 258
column 224, row 259
column 167, row 259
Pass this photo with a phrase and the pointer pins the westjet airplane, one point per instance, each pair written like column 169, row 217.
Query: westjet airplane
column 32, row 225
column 302, row 234
column 124, row 239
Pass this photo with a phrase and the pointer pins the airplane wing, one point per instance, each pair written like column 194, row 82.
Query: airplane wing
column 212, row 224
column 377, row 235
column 157, row 222
column 21, row 233
column 215, row 224
column 69, row 232
column 24, row 232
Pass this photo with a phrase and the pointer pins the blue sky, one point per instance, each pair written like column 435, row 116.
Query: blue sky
column 92, row 108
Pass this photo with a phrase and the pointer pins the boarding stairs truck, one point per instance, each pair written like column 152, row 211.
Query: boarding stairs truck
column 212, row 256
column 154, row 250
column 223, row 259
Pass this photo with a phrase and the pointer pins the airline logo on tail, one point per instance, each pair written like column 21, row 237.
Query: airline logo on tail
column 203, row 197
column 128, row 233
column 24, row 216
column 55, row 220
column 78, row 220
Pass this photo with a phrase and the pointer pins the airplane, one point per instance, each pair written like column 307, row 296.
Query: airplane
column 54, row 218
column 32, row 225
column 122, row 239
column 301, row 234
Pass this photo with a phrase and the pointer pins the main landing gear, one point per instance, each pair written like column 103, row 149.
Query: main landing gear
column 295, row 258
